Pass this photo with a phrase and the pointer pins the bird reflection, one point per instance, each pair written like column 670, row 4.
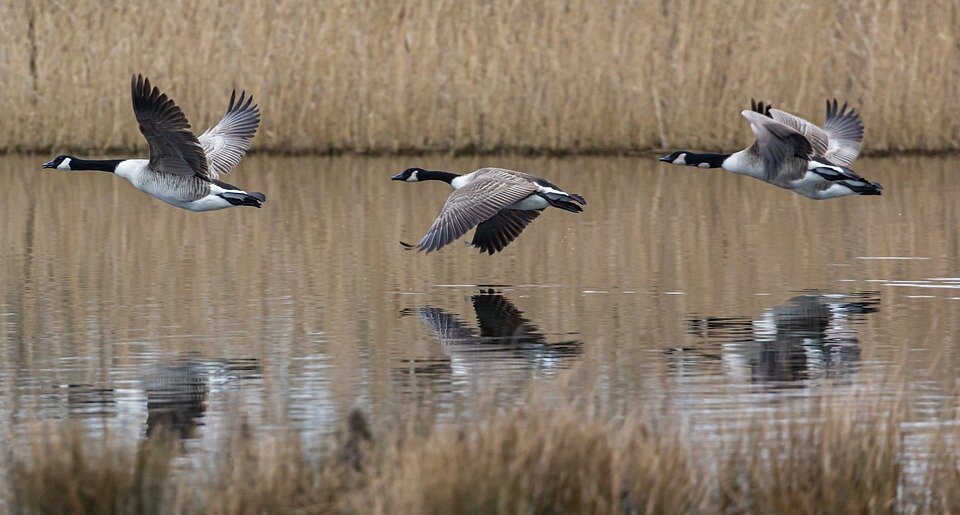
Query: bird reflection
column 503, row 340
column 176, row 397
column 90, row 401
column 177, row 391
column 811, row 336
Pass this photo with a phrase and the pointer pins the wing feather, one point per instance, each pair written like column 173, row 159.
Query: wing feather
column 473, row 204
column 845, row 130
column 226, row 142
column 818, row 138
column 783, row 151
column 497, row 232
column 174, row 149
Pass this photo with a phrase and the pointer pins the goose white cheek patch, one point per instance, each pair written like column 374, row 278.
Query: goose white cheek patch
column 64, row 165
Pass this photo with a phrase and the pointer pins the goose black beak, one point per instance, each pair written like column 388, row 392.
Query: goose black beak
column 48, row 164
column 398, row 177
column 665, row 159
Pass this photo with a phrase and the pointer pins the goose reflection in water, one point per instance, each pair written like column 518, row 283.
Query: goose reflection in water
column 812, row 336
column 503, row 341
column 177, row 391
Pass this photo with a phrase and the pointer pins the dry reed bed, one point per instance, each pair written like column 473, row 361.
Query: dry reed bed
column 480, row 76
column 839, row 456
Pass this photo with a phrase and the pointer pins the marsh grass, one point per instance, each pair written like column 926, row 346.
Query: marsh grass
column 68, row 472
column 580, row 76
column 835, row 456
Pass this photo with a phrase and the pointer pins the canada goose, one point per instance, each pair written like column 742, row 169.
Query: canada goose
column 795, row 154
column 182, row 169
column 500, row 202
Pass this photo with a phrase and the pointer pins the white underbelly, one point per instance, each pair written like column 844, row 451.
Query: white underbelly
column 210, row 202
column 531, row 203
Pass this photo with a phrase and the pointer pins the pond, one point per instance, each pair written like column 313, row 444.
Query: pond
column 707, row 293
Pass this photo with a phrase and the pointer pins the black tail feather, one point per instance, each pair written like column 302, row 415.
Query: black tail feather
column 240, row 198
column 863, row 188
column 567, row 201
column 565, row 205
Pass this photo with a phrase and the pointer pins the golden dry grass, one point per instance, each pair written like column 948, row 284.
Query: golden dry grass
column 840, row 455
column 480, row 76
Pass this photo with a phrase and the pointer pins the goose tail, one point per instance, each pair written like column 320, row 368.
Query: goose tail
column 243, row 198
column 863, row 187
column 236, row 196
column 565, row 201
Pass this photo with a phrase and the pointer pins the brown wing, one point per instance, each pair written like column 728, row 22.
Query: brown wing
column 818, row 138
column 783, row 151
column 472, row 204
column 174, row 149
column 499, row 230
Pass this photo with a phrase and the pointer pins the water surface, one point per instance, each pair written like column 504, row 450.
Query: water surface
column 708, row 293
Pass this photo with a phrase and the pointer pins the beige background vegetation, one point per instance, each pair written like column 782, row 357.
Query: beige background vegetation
column 576, row 75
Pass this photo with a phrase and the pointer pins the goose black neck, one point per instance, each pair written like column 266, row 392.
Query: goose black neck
column 100, row 165
column 706, row 160
column 435, row 175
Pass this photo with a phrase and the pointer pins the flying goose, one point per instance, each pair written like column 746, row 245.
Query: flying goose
column 795, row 154
column 183, row 170
column 499, row 202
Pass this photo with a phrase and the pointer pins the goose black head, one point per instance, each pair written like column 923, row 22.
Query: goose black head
column 61, row 162
column 677, row 158
column 409, row 175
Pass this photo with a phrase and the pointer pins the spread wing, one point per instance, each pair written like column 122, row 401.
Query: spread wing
column 174, row 149
column 227, row 141
column 472, row 204
column 499, row 230
column 783, row 151
column 845, row 130
column 818, row 138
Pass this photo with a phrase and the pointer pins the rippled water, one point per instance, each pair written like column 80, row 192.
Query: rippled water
column 709, row 293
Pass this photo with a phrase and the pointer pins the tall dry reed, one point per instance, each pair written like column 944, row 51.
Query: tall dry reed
column 579, row 75
column 848, row 455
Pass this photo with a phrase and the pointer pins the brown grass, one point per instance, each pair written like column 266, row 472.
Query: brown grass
column 506, row 74
column 846, row 455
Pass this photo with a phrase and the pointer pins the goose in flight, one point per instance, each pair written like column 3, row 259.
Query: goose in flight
column 795, row 154
column 499, row 202
column 183, row 170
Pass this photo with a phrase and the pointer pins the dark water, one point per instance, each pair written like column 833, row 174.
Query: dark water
column 709, row 294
